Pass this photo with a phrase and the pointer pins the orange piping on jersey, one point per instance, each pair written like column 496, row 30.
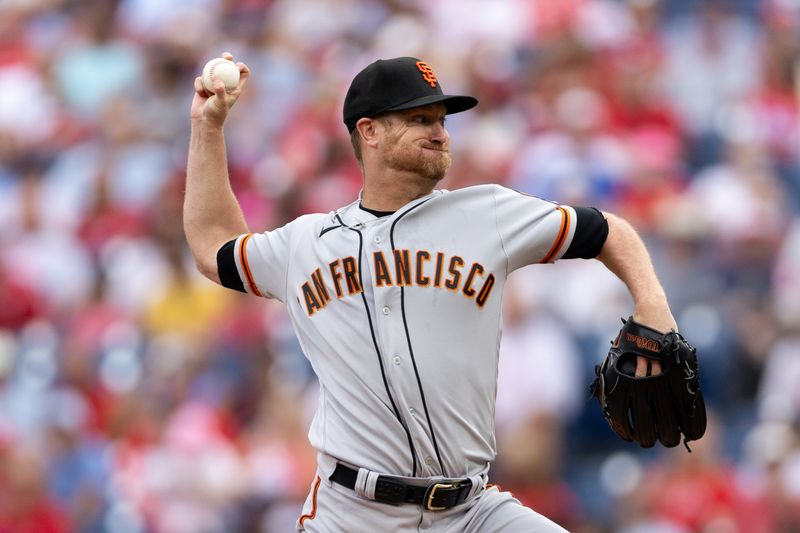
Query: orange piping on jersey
column 313, row 513
column 562, row 236
column 245, row 266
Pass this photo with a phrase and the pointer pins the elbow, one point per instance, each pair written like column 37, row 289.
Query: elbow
column 208, row 270
column 206, row 264
column 204, row 252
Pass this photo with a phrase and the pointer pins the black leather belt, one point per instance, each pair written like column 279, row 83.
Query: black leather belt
column 436, row 496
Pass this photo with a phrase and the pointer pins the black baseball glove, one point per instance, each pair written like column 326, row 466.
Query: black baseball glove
column 659, row 407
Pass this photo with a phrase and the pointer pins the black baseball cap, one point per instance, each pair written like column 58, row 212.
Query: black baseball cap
column 394, row 85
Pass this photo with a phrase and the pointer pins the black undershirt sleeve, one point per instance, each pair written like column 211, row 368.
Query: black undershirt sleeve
column 226, row 267
column 591, row 231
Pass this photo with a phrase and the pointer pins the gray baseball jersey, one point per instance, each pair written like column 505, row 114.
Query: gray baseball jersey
column 399, row 316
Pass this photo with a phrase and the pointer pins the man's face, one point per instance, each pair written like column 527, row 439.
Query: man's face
column 415, row 140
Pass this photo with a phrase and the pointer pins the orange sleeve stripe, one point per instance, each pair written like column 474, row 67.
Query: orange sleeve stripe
column 560, row 238
column 245, row 266
column 313, row 513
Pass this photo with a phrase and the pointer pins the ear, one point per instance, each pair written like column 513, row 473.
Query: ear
column 368, row 130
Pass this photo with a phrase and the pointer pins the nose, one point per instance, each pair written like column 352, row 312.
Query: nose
column 439, row 133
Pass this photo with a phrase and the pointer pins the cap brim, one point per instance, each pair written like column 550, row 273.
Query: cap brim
column 453, row 103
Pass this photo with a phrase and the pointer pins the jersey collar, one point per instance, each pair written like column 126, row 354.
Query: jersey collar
column 352, row 215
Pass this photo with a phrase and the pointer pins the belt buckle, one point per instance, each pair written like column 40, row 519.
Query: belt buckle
column 432, row 492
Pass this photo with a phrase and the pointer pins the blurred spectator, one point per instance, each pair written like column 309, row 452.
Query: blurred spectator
column 26, row 506
column 193, row 475
column 53, row 261
column 533, row 342
column 21, row 304
column 280, row 464
column 97, row 64
column 77, row 479
column 712, row 63
column 530, row 464
column 188, row 307
column 769, row 477
column 786, row 278
column 691, row 492
column 779, row 396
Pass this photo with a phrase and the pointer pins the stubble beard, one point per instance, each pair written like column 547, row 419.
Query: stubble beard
column 428, row 164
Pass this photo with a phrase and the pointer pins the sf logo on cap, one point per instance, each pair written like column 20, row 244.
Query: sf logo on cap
column 427, row 73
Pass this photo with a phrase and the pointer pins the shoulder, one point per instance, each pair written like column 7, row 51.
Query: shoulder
column 491, row 194
column 474, row 193
column 489, row 198
column 487, row 189
column 474, row 190
column 309, row 222
column 314, row 219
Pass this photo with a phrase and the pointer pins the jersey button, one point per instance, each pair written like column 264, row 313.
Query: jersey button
column 377, row 239
column 386, row 310
column 429, row 460
column 412, row 410
column 397, row 359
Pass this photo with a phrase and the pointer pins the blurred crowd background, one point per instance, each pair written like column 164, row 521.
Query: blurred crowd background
column 138, row 397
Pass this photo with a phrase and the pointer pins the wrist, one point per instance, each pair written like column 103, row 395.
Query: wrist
column 203, row 124
column 656, row 316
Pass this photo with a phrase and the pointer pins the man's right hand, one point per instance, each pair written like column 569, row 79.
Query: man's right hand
column 212, row 108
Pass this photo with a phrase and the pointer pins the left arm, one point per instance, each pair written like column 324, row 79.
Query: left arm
column 625, row 255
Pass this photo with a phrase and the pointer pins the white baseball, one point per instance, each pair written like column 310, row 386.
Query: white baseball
column 224, row 69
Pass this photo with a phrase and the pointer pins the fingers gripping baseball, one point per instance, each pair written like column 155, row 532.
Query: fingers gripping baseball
column 213, row 106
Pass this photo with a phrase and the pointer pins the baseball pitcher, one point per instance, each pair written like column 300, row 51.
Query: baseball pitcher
column 396, row 301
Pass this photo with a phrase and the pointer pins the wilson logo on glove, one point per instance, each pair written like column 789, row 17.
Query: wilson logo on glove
column 642, row 343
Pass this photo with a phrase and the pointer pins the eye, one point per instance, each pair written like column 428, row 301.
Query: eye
column 426, row 120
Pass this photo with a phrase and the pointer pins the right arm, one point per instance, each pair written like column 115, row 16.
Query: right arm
column 211, row 213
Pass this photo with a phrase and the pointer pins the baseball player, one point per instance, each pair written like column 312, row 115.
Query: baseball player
column 396, row 302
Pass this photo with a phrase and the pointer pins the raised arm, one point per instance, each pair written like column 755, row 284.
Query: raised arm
column 625, row 255
column 211, row 213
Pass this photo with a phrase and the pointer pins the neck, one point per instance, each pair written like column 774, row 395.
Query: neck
column 390, row 190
